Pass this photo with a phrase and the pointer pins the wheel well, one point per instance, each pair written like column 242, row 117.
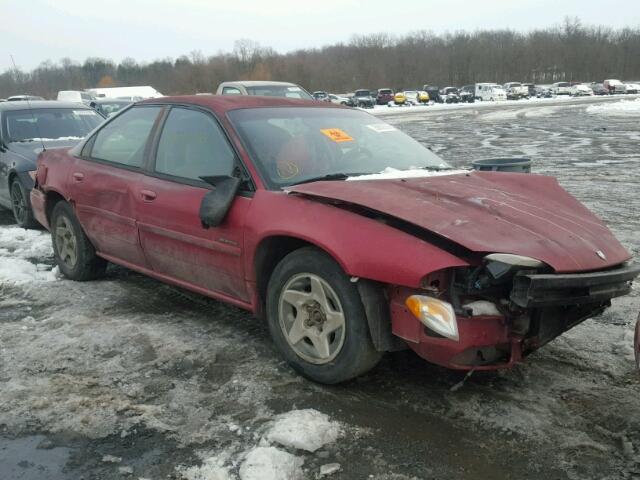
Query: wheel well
column 268, row 254
column 12, row 175
column 51, row 200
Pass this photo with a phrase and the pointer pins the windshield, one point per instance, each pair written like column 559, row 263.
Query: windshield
column 288, row 91
column 362, row 93
column 384, row 91
column 290, row 145
column 49, row 124
column 109, row 109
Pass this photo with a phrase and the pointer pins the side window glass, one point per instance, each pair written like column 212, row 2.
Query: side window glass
column 231, row 91
column 124, row 139
column 192, row 145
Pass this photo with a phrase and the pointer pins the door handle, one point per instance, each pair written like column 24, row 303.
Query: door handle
column 78, row 176
column 148, row 195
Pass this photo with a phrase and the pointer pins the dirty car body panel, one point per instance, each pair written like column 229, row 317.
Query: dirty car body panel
column 470, row 270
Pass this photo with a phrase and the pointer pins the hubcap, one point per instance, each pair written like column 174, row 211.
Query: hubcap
column 311, row 318
column 66, row 243
column 18, row 202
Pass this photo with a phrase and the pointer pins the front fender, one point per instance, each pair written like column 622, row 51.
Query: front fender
column 364, row 247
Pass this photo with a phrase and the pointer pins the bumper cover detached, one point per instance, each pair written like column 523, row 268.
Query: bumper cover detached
column 533, row 291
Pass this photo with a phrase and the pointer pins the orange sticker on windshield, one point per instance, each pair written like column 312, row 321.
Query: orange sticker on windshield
column 336, row 135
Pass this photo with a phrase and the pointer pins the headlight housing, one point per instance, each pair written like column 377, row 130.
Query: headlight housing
column 434, row 314
column 499, row 264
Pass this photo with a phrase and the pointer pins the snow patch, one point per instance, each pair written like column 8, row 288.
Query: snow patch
column 269, row 463
column 391, row 173
column 212, row 468
column 20, row 250
column 617, row 108
column 306, row 430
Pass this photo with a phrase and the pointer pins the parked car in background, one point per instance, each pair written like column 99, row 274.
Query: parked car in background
column 450, row 95
column 599, row 89
column 340, row 100
column 614, row 86
column 490, row 92
column 543, row 91
column 133, row 93
column 467, row 94
column 110, row 106
column 531, row 88
column 264, row 88
column 516, row 91
column 632, row 87
column 25, row 131
column 561, row 88
column 399, row 99
column 76, row 96
column 581, row 90
column 385, row 95
column 321, row 96
column 471, row 270
column 434, row 93
column 362, row 98
column 411, row 96
column 423, row 97
column 22, row 98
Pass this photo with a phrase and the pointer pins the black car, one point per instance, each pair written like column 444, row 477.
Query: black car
column 26, row 128
column 450, row 95
column 467, row 94
column 599, row 89
column 434, row 93
column 363, row 98
column 109, row 106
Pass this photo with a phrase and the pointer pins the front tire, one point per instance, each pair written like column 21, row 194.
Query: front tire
column 21, row 205
column 317, row 320
column 72, row 250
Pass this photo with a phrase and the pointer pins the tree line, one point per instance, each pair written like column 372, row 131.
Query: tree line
column 567, row 52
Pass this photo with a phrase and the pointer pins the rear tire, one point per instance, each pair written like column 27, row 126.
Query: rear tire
column 21, row 205
column 72, row 250
column 317, row 320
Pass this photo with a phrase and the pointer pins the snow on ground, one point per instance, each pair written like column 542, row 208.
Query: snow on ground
column 18, row 249
column 270, row 463
column 623, row 107
column 307, row 430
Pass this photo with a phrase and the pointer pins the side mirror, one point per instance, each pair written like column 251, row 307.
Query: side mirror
column 216, row 203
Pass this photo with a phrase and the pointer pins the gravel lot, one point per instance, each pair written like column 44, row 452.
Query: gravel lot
column 128, row 378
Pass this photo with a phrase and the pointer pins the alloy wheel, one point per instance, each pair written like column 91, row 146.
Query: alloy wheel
column 18, row 203
column 66, row 242
column 311, row 318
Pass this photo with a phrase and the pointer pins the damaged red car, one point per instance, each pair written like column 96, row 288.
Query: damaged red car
column 349, row 237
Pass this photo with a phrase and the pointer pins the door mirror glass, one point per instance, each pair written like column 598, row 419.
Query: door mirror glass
column 216, row 203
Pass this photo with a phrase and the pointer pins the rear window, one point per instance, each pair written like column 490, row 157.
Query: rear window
column 49, row 124
column 286, row 91
column 385, row 91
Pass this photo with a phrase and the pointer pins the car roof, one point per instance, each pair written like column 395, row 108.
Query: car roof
column 255, row 83
column 40, row 104
column 221, row 104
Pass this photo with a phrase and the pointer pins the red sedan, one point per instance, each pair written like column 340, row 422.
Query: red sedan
column 278, row 206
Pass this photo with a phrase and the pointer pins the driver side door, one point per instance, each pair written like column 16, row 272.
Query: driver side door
column 191, row 145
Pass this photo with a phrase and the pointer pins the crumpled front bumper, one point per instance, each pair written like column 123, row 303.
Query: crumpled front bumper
column 550, row 303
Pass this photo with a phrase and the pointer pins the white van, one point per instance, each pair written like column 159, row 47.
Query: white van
column 490, row 92
column 75, row 96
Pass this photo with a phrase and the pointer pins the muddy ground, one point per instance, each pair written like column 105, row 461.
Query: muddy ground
column 128, row 368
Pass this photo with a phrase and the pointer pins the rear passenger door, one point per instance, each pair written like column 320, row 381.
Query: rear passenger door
column 104, row 184
column 191, row 144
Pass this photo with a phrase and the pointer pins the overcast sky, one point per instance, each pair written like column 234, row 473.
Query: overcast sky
column 37, row 30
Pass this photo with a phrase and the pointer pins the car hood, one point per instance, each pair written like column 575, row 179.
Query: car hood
column 487, row 212
column 31, row 150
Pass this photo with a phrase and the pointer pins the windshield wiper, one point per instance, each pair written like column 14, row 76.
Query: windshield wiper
column 328, row 177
